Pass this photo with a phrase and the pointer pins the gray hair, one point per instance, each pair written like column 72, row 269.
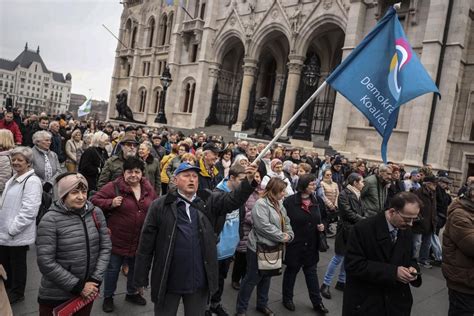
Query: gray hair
column 384, row 167
column 147, row 144
column 40, row 135
column 26, row 152
column 97, row 137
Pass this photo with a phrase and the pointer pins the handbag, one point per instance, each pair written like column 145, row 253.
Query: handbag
column 323, row 242
column 74, row 305
column 270, row 258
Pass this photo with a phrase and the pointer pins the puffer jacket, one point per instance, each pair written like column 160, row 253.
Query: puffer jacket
column 71, row 250
column 458, row 246
column 125, row 221
column 267, row 228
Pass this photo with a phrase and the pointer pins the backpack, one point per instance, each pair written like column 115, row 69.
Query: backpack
column 230, row 235
column 46, row 201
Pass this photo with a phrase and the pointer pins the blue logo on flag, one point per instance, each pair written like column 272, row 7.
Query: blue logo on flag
column 381, row 74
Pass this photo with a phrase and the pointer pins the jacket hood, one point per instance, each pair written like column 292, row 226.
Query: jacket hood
column 59, row 206
column 5, row 153
column 463, row 203
column 223, row 185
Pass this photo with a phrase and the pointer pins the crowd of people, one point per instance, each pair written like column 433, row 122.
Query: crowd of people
column 172, row 212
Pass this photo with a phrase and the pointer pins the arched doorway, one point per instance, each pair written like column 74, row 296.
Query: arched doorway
column 323, row 55
column 271, row 77
column 226, row 93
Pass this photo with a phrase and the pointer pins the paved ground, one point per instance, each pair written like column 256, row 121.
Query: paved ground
column 429, row 300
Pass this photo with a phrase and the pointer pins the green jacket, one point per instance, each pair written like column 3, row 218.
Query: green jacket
column 152, row 173
column 113, row 168
column 373, row 195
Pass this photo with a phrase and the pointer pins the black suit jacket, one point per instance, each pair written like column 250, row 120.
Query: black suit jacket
column 371, row 263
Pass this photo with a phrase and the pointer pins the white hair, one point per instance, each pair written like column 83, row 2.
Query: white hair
column 98, row 137
column 26, row 152
column 40, row 135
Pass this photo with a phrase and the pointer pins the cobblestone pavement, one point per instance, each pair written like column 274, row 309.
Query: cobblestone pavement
column 429, row 300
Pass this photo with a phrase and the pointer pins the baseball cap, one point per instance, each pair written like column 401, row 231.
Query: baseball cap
column 184, row 166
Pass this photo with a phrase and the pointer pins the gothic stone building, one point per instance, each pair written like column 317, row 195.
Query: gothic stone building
column 224, row 55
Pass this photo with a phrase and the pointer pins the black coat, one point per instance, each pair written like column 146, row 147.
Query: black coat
column 304, row 249
column 92, row 161
column 351, row 211
column 443, row 199
column 371, row 263
column 428, row 217
column 158, row 237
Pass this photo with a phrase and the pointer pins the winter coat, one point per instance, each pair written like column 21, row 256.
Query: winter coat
column 57, row 146
column 267, row 226
column 158, row 152
column 38, row 163
column 206, row 180
column 152, row 173
column 271, row 174
column 113, row 169
column 373, row 195
column 91, row 164
column 172, row 166
column 73, row 150
column 428, row 217
column 125, row 221
column 165, row 161
column 71, row 250
column 246, row 221
column 19, row 206
column 304, row 248
column 6, row 170
column 329, row 192
column 12, row 127
column 351, row 211
column 371, row 263
column 443, row 200
column 458, row 246
column 158, row 237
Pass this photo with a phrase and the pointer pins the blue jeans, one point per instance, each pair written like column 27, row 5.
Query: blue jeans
column 422, row 245
column 436, row 246
column 252, row 278
column 112, row 274
column 335, row 261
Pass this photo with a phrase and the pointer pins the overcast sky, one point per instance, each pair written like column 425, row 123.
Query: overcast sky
column 70, row 36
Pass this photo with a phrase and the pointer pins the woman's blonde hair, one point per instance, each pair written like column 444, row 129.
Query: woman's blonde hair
column 274, row 187
column 6, row 139
column 75, row 132
column 188, row 157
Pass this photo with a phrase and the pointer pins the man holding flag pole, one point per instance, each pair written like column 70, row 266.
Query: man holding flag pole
column 381, row 74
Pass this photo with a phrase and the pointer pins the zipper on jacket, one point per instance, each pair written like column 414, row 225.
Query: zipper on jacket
column 167, row 258
column 83, row 219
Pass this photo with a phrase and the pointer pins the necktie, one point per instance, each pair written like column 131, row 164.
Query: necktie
column 48, row 170
column 393, row 235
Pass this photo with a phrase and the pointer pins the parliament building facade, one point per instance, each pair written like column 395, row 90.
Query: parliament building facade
column 224, row 55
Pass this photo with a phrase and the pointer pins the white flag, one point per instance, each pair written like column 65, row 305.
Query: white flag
column 85, row 108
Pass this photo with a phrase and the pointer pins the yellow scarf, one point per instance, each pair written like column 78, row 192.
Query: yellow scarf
column 204, row 172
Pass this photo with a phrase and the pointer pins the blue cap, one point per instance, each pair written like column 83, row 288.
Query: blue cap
column 184, row 166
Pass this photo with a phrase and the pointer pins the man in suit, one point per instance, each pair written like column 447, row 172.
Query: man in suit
column 379, row 264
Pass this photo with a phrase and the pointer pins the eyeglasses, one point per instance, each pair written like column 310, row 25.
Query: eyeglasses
column 408, row 219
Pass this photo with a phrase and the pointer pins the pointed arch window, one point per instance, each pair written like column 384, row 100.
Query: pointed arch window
column 158, row 96
column 151, row 32
column 164, row 29
column 134, row 37
column 142, row 101
column 189, row 90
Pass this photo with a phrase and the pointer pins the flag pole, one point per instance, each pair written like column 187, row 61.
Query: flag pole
column 292, row 119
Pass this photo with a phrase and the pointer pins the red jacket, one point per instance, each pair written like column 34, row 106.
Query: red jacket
column 125, row 221
column 12, row 127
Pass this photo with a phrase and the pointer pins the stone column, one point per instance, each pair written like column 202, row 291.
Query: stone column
column 420, row 112
column 250, row 70
column 450, row 76
column 295, row 65
column 342, row 107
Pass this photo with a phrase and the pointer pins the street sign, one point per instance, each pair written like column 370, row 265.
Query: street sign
column 240, row 135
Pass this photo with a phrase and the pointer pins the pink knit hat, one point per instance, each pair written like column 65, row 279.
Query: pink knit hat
column 275, row 162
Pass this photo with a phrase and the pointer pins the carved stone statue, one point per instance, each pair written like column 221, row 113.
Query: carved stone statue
column 263, row 126
column 124, row 111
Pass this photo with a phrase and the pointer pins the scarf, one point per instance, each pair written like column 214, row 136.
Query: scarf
column 354, row 190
